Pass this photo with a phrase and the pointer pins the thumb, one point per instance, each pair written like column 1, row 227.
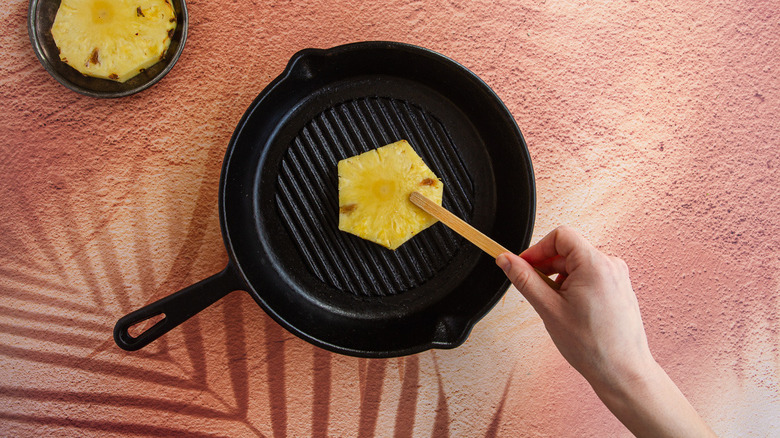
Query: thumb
column 525, row 278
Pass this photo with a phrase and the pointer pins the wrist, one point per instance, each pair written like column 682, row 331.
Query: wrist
column 649, row 404
column 631, row 393
column 624, row 376
column 624, row 383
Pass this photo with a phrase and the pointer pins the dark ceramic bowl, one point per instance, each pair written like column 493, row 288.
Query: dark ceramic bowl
column 40, row 18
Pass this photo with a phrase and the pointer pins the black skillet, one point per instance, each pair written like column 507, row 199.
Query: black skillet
column 278, row 204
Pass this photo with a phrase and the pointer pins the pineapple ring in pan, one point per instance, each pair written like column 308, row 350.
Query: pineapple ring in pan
column 374, row 189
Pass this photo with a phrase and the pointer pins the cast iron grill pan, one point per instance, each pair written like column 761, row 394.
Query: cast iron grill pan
column 307, row 196
column 278, row 204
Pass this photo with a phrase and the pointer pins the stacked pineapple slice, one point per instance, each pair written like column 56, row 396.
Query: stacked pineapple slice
column 113, row 39
column 374, row 189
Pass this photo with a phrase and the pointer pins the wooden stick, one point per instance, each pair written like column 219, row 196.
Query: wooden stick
column 470, row 233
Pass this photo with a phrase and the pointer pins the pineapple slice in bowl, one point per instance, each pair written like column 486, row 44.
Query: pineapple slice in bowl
column 374, row 189
column 113, row 39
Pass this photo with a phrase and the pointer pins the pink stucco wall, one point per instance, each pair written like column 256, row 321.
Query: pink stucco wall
column 654, row 130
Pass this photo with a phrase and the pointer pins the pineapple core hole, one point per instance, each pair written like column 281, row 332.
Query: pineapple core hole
column 102, row 12
column 385, row 189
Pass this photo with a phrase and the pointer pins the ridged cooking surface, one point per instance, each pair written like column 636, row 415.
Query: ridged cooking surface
column 307, row 196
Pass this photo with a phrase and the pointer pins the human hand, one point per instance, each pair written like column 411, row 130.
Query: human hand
column 594, row 317
column 595, row 322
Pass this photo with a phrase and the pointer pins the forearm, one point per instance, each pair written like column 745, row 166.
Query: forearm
column 649, row 404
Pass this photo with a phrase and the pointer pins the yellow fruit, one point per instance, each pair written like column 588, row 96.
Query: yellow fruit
column 374, row 189
column 113, row 39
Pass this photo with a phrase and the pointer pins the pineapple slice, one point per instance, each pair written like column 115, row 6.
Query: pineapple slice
column 374, row 189
column 113, row 39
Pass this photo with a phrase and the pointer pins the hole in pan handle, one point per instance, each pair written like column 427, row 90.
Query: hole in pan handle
column 176, row 309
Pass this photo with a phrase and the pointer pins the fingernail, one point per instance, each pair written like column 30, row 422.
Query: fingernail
column 503, row 262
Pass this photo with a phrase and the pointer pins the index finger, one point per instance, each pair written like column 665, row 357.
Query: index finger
column 562, row 241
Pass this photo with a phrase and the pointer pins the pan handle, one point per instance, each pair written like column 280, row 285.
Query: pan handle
column 175, row 309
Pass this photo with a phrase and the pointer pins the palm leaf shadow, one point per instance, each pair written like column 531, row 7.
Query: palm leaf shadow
column 45, row 308
column 495, row 423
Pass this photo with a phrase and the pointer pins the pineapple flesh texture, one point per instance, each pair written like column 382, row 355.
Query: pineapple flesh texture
column 374, row 189
column 113, row 39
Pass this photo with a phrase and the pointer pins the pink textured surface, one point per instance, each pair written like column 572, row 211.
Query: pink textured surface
column 653, row 127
